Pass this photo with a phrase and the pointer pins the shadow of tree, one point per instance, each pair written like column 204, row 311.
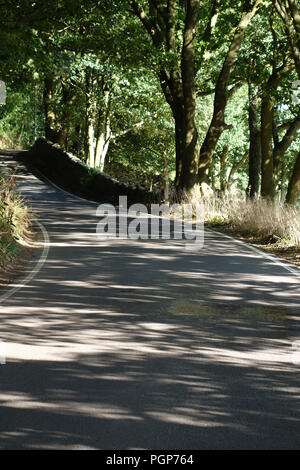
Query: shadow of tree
column 141, row 344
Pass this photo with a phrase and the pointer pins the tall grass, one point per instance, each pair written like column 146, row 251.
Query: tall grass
column 14, row 219
column 259, row 218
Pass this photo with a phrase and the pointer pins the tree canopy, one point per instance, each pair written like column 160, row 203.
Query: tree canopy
column 195, row 94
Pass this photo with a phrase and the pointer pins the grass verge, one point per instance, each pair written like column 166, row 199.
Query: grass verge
column 271, row 226
column 16, row 233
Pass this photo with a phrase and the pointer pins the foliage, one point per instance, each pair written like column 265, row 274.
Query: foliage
column 14, row 218
column 105, row 37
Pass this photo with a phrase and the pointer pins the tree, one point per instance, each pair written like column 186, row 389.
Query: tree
column 294, row 183
column 255, row 144
column 177, row 78
column 289, row 12
column 218, row 125
column 178, row 63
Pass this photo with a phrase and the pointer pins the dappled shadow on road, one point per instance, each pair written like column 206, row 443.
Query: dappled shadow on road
column 142, row 344
column 154, row 387
column 140, row 347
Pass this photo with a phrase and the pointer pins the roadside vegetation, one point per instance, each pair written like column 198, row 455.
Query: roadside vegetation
column 270, row 225
column 266, row 220
column 15, row 228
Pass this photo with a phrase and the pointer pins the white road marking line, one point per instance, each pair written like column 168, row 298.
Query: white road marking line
column 36, row 268
column 260, row 253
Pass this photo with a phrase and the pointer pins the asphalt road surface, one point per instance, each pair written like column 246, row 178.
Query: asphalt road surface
column 141, row 344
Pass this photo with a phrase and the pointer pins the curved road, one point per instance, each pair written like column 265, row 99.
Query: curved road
column 124, row 344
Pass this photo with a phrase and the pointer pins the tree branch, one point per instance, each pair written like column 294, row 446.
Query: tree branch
column 129, row 129
column 170, row 24
column 148, row 24
column 282, row 145
column 238, row 165
column 212, row 22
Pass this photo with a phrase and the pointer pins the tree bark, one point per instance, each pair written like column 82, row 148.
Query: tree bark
column 236, row 167
column 255, row 146
column 267, row 163
column 102, row 146
column 191, row 144
column 104, row 133
column 91, row 143
column 50, row 117
column 68, row 96
column 267, row 112
column 90, row 116
column 294, row 184
column 179, row 146
column 223, row 176
column 282, row 145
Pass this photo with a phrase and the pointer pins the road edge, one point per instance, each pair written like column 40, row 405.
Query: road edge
column 37, row 267
column 261, row 253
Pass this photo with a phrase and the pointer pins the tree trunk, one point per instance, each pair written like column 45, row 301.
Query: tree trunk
column 102, row 145
column 294, row 184
column 90, row 116
column 191, row 144
column 217, row 125
column 68, row 96
column 91, row 143
column 104, row 133
column 281, row 146
column 267, row 114
column 179, row 146
column 161, row 24
column 227, row 182
column 50, row 118
column 255, row 146
column 223, row 176
column 267, row 163
column 236, row 167
column 166, row 180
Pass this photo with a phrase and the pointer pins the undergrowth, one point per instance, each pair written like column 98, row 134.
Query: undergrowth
column 258, row 218
column 15, row 219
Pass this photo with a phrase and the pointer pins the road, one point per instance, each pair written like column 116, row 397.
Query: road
column 140, row 344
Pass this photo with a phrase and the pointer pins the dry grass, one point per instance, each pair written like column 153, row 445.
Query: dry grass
column 271, row 226
column 15, row 225
column 258, row 218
